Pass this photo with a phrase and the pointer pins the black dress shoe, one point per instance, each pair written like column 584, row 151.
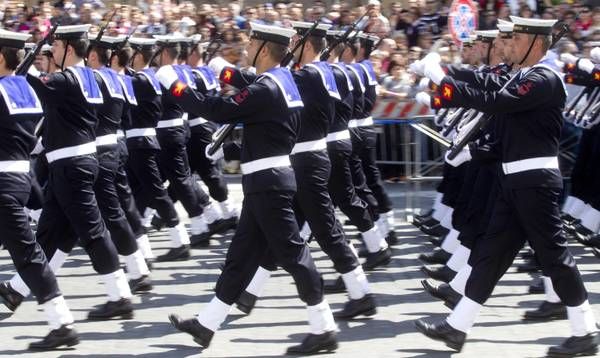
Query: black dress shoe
column 583, row 234
column 429, row 222
column 537, row 286
column 436, row 241
column 436, row 230
column 443, row 291
column 391, row 238
column 442, row 331
column 377, row 259
column 149, row 263
column 63, row 336
column 200, row 240
column 246, row 302
column 365, row 306
column 157, row 223
column 336, row 286
column 567, row 219
column 111, row 309
column 444, row 273
column 570, row 228
column 576, row 346
column 424, row 216
column 596, row 252
column 315, row 343
column 201, row 334
column 363, row 252
column 437, row 256
column 180, row 253
column 530, row 265
column 547, row 311
column 222, row 225
column 142, row 284
column 11, row 298
column 594, row 241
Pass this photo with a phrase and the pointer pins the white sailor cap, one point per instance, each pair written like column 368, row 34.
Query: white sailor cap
column 486, row 35
column 46, row 49
column 368, row 38
column 139, row 43
column 468, row 41
column 532, row 26
column 269, row 33
column 505, row 26
column 170, row 40
column 109, row 42
column 29, row 46
column 302, row 27
column 332, row 35
column 13, row 39
column 72, row 32
column 195, row 39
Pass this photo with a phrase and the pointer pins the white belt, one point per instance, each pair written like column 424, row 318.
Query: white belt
column 197, row 121
column 341, row 135
column 530, row 164
column 265, row 163
column 120, row 134
column 140, row 132
column 14, row 166
column 365, row 122
column 108, row 139
column 74, row 151
column 170, row 123
column 311, row 146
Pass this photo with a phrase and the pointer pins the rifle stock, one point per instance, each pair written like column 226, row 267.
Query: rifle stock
column 24, row 66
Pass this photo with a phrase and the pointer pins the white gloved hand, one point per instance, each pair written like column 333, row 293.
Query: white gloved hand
column 166, row 75
column 463, row 156
column 423, row 98
column 432, row 58
column 568, row 58
column 33, row 71
column 434, row 72
column 423, row 84
column 595, row 54
column 216, row 155
column 416, row 67
column 586, row 65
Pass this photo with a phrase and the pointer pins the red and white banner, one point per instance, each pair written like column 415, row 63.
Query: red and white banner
column 394, row 109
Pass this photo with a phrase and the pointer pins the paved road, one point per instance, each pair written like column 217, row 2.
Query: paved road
column 280, row 318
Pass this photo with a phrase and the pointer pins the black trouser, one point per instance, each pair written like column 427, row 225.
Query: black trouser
column 358, row 175
column 341, row 187
column 26, row 253
column 453, row 180
column 71, row 212
column 268, row 226
column 174, row 164
column 313, row 205
column 125, row 193
column 582, row 186
column 530, row 214
column 367, row 153
column 150, row 192
column 109, row 204
column 204, row 167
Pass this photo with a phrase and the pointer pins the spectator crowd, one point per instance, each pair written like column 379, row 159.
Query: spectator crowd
column 408, row 29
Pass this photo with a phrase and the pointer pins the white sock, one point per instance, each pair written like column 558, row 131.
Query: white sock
column 35, row 214
column 56, row 262
column 178, row 236
column 136, row 265
column 551, row 295
column 258, row 282
column 459, row 258
column 148, row 214
column 212, row 213
column 214, row 314
column 198, row 225
column 57, row 313
column 17, row 283
column 227, row 209
column 373, row 240
column 459, row 282
column 390, row 220
column 382, row 226
column 464, row 315
column 356, row 283
column 566, row 208
column 451, row 242
column 305, row 232
column 439, row 214
column 144, row 245
column 447, row 220
column 320, row 318
column 591, row 218
column 352, row 248
column 116, row 285
column 582, row 319
column 577, row 208
column 437, row 201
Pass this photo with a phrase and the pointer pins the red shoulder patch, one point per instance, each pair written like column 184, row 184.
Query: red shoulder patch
column 178, row 89
column 447, row 91
column 436, row 103
column 596, row 75
column 241, row 97
column 524, row 88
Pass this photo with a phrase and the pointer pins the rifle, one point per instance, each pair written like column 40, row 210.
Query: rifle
column 481, row 121
column 327, row 51
column 208, row 55
column 105, row 25
column 24, row 66
column 226, row 130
